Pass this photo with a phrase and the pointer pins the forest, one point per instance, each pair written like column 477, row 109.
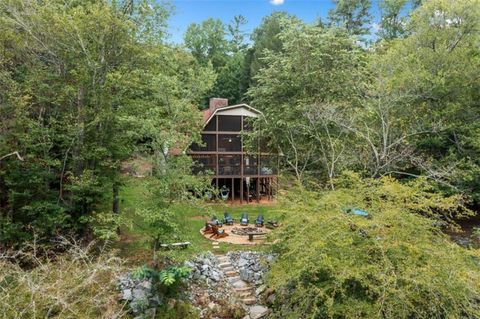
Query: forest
column 376, row 112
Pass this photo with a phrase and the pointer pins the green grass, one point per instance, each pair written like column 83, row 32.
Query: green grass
column 134, row 244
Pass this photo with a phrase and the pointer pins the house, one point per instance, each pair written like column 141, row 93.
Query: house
column 237, row 174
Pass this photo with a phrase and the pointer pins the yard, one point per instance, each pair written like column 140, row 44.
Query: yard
column 134, row 244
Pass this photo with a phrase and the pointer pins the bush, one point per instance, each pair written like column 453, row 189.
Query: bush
column 396, row 264
column 74, row 284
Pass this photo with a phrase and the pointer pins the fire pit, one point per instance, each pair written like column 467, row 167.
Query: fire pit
column 245, row 231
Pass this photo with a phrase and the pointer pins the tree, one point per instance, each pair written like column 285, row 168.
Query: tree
column 79, row 92
column 353, row 15
column 207, row 42
column 319, row 75
column 265, row 38
column 392, row 23
column 237, row 35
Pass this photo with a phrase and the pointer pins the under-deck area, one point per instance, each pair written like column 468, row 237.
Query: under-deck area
column 246, row 189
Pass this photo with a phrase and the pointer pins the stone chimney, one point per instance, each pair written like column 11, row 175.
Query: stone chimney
column 216, row 102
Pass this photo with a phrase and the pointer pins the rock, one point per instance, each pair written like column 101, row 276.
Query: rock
column 247, row 317
column 260, row 290
column 257, row 312
column 127, row 294
column 212, row 305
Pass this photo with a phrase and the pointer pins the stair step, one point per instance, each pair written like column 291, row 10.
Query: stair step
column 231, row 273
column 222, row 259
column 249, row 301
column 245, row 294
column 222, row 265
column 233, row 279
column 244, row 289
column 230, row 268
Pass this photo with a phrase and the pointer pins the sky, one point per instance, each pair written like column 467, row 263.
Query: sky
column 188, row 11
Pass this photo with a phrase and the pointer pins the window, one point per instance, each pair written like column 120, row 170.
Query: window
column 204, row 163
column 229, row 143
column 209, row 143
column 212, row 125
column 229, row 123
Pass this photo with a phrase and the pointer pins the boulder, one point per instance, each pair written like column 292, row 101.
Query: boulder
column 257, row 312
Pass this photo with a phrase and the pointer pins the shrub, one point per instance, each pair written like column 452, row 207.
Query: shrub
column 74, row 284
column 396, row 264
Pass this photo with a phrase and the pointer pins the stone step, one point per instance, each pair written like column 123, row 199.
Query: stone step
column 245, row 294
column 223, row 259
column 234, row 279
column 229, row 268
column 243, row 289
column 239, row 284
column 231, row 273
column 225, row 265
column 249, row 301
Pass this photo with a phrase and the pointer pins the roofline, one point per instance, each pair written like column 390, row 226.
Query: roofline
column 231, row 107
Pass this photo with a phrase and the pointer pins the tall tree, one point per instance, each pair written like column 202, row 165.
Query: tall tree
column 236, row 34
column 265, row 38
column 207, row 42
column 354, row 15
column 392, row 22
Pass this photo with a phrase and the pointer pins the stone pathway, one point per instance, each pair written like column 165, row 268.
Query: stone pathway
column 244, row 291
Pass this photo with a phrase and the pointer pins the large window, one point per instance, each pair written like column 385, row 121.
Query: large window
column 229, row 123
column 209, row 143
column 229, row 143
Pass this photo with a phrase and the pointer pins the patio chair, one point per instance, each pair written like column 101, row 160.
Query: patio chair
column 216, row 221
column 227, row 219
column 259, row 221
column 244, row 219
column 272, row 224
column 218, row 233
column 208, row 228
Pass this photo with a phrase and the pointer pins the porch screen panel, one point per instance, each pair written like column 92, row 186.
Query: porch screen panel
column 229, row 123
column 229, row 164
column 209, row 144
column 229, row 143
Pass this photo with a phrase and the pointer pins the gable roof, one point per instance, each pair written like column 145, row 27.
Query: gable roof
column 208, row 114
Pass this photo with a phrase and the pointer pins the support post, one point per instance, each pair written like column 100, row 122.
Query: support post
column 241, row 190
column 258, row 190
column 233, row 190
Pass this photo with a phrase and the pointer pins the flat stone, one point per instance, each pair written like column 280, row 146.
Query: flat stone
column 260, row 290
column 239, row 284
column 257, row 312
column 127, row 294
column 247, row 317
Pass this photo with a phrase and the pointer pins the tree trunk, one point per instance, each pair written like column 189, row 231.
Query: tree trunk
column 116, row 201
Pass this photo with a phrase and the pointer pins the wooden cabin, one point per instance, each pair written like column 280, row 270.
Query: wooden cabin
column 237, row 174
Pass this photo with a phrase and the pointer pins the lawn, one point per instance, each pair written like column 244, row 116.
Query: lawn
column 134, row 244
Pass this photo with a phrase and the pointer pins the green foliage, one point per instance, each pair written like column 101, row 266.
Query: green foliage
column 173, row 275
column 397, row 264
column 353, row 15
column 89, row 84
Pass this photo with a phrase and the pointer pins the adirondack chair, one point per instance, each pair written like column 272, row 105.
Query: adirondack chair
column 208, row 228
column 272, row 224
column 227, row 219
column 218, row 233
column 216, row 221
column 244, row 219
column 259, row 221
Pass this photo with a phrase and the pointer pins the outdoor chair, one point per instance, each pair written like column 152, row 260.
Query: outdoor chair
column 218, row 233
column 272, row 224
column 227, row 219
column 208, row 228
column 216, row 221
column 259, row 221
column 244, row 219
